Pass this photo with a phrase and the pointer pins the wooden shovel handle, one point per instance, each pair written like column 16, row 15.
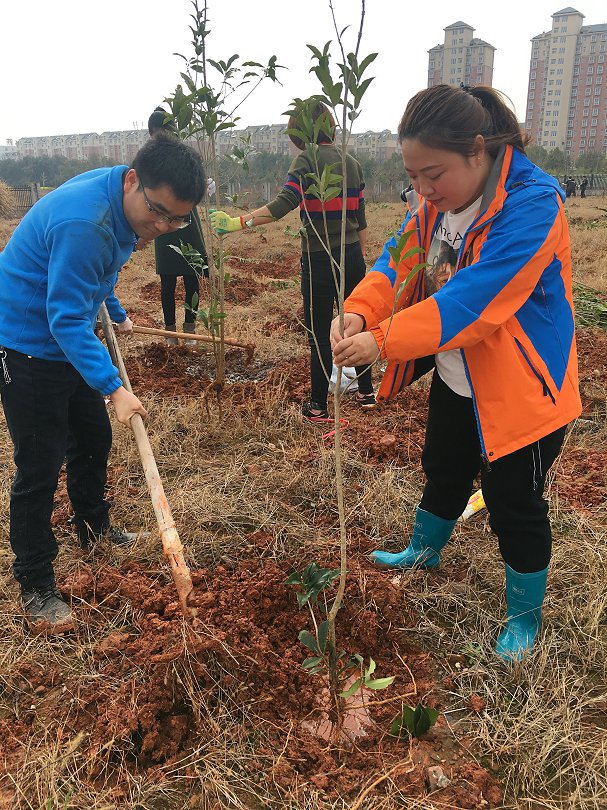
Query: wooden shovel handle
column 147, row 330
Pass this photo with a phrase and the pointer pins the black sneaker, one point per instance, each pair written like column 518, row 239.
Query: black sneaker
column 88, row 537
column 313, row 411
column 46, row 609
column 366, row 401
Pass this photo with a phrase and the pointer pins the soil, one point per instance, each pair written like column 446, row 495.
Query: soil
column 395, row 432
column 139, row 713
column 144, row 711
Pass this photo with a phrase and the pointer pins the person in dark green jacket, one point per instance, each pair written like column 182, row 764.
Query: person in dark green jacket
column 320, row 249
column 170, row 264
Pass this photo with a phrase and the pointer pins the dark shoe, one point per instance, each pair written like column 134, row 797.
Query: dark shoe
column 366, row 401
column 313, row 411
column 190, row 328
column 171, row 341
column 46, row 610
column 88, row 537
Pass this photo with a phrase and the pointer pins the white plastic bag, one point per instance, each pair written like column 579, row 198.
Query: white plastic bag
column 348, row 380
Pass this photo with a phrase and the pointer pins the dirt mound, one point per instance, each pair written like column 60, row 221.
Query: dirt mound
column 157, row 677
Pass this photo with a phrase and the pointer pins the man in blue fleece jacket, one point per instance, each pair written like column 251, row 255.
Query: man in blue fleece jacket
column 60, row 264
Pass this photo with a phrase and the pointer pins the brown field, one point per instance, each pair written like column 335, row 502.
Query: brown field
column 138, row 709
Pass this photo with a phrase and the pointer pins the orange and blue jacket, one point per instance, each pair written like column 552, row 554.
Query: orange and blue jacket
column 508, row 308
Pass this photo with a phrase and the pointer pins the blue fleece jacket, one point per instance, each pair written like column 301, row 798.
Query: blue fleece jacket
column 60, row 264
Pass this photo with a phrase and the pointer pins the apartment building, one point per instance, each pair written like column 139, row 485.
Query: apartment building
column 272, row 138
column 375, row 145
column 121, row 146
column 8, row 150
column 461, row 59
column 263, row 138
column 566, row 96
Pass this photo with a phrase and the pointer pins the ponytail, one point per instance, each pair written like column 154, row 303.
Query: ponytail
column 450, row 118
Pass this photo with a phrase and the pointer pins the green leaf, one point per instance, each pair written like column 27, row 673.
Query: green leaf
column 380, row 683
column 412, row 252
column 370, row 669
column 323, row 634
column 315, row 51
column 366, row 62
column 302, row 598
column 415, row 722
column 311, row 663
column 308, row 640
column 351, row 689
column 408, row 719
column 361, row 90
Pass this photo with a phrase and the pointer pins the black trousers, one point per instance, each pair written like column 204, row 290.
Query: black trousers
column 320, row 293
column 52, row 416
column 168, row 285
column 512, row 486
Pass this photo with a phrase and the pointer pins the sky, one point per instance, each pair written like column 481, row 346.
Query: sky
column 74, row 66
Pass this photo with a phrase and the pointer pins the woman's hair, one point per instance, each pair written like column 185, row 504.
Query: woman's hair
column 450, row 118
column 305, row 119
column 157, row 122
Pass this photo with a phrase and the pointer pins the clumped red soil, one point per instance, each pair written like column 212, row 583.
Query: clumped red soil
column 140, row 714
column 157, row 676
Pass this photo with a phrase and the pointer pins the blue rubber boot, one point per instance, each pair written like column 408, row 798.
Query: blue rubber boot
column 430, row 534
column 524, row 596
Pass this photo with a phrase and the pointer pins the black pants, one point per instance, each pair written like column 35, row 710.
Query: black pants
column 320, row 293
column 512, row 486
column 52, row 416
column 168, row 285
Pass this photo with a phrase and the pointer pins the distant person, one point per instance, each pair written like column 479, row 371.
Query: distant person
column 59, row 266
column 492, row 309
column 570, row 187
column 318, row 249
column 583, row 186
column 170, row 265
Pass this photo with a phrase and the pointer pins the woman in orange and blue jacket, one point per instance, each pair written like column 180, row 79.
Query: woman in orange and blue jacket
column 491, row 308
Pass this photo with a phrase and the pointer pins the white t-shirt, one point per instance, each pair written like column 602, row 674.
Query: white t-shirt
column 442, row 259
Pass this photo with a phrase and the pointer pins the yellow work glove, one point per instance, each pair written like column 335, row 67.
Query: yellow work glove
column 224, row 223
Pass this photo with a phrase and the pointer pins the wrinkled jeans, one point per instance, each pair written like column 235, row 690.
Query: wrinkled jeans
column 52, row 416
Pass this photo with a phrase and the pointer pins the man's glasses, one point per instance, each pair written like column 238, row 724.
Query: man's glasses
column 174, row 222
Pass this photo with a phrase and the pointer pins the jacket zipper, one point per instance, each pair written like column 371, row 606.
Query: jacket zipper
column 545, row 388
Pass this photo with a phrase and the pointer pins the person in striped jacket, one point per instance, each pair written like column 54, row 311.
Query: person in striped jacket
column 320, row 244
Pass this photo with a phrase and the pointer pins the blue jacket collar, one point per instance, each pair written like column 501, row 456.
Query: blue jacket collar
column 124, row 232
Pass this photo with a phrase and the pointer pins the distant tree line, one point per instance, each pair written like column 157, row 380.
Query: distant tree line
column 384, row 179
column 558, row 163
column 47, row 171
column 248, row 176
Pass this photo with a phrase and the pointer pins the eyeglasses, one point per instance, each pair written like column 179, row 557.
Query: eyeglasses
column 174, row 222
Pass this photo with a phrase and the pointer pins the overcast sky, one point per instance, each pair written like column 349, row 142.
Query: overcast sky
column 82, row 66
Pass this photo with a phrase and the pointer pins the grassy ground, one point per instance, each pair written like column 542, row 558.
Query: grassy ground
column 541, row 728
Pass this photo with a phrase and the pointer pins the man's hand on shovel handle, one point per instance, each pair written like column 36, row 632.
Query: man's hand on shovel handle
column 126, row 404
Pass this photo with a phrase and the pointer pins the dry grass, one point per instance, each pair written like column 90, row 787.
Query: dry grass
column 7, row 201
column 543, row 728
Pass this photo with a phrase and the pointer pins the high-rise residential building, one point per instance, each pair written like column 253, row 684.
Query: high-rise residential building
column 566, row 97
column 461, row 59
